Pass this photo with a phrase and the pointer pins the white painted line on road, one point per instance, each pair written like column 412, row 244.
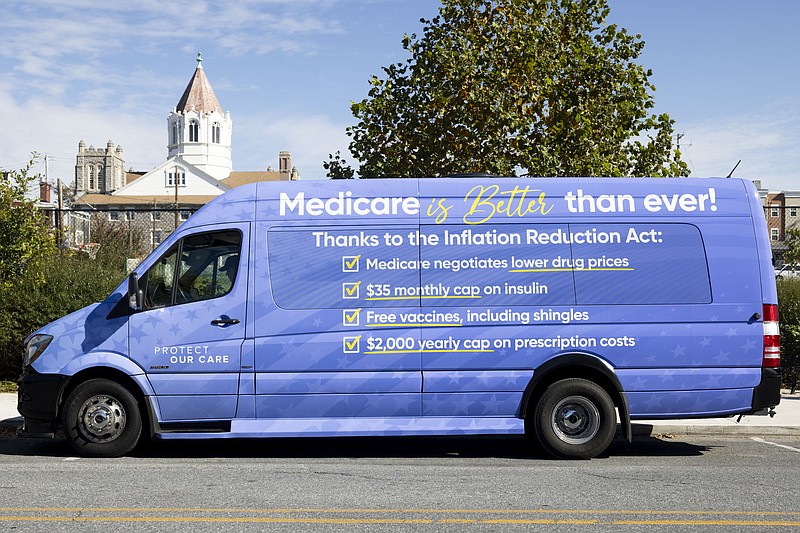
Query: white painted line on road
column 71, row 459
column 785, row 447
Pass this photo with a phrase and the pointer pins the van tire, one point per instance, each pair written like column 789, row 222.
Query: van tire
column 102, row 419
column 574, row 419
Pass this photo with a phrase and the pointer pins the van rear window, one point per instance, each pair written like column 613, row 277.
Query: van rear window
column 488, row 264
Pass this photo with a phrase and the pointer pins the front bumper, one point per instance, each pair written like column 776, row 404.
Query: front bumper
column 38, row 399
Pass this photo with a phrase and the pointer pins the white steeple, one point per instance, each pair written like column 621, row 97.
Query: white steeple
column 198, row 130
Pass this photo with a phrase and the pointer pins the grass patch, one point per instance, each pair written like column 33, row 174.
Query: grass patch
column 8, row 386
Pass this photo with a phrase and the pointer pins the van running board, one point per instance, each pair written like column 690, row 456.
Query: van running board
column 341, row 427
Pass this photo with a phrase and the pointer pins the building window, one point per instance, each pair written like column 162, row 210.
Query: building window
column 215, row 129
column 174, row 138
column 184, row 215
column 774, row 212
column 181, row 177
column 155, row 216
column 91, row 185
column 792, row 211
column 194, row 131
column 156, row 237
column 774, row 234
column 121, row 214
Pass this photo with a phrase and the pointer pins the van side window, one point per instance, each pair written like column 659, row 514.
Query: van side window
column 199, row 267
column 540, row 264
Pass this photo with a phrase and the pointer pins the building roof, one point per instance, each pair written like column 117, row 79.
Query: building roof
column 236, row 179
column 133, row 175
column 199, row 96
column 106, row 200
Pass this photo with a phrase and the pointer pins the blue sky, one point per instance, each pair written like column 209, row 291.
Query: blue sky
column 725, row 70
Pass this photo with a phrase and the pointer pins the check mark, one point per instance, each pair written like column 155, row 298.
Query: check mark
column 350, row 316
column 350, row 263
column 350, row 290
column 351, row 344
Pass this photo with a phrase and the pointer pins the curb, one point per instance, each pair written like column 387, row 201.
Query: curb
column 651, row 430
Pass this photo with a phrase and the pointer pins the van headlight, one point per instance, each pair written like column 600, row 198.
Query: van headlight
column 34, row 348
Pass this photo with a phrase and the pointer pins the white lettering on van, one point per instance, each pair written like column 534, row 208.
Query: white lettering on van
column 195, row 349
column 202, row 359
column 578, row 202
column 686, row 202
column 345, row 204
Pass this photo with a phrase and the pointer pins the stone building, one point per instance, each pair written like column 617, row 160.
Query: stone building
column 98, row 170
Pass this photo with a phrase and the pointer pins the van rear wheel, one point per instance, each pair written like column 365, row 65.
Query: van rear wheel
column 102, row 419
column 574, row 419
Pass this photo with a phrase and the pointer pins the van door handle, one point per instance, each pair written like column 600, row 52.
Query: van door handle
column 224, row 321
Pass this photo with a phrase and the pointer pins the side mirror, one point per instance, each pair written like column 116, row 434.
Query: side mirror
column 135, row 295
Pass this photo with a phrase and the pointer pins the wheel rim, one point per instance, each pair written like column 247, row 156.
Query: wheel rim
column 576, row 420
column 102, row 418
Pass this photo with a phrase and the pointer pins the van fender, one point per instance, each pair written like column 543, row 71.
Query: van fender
column 116, row 361
column 581, row 365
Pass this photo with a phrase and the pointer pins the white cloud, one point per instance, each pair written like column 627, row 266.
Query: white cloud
column 766, row 140
column 310, row 138
column 48, row 127
column 113, row 57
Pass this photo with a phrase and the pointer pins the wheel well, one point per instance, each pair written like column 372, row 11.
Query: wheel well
column 111, row 374
column 574, row 366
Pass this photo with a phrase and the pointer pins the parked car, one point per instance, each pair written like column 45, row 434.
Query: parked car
column 788, row 271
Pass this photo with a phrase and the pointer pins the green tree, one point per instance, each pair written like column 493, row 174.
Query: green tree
column 26, row 239
column 337, row 167
column 791, row 255
column 789, row 316
column 538, row 87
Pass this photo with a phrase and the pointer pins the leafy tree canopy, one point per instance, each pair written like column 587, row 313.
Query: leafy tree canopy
column 791, row 256
column 25, row 238
column 538, row 87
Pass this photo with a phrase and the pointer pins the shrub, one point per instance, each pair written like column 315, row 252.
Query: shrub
column 118, row 241
column 71, row 281
column 789, row 315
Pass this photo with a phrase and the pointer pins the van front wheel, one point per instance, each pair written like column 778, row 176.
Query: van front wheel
column 574, row 419
column 102, row 419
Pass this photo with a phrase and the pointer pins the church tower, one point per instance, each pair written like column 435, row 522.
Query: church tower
column 199, row 131
column 99, row 170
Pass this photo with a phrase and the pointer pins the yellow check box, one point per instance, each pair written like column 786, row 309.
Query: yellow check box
column 350, row 263
column 350, row 290
column 350, row 316
column 351, row 344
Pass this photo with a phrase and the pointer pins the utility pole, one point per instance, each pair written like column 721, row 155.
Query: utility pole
column 61, row 213
column 175, row 179
column 153, row 238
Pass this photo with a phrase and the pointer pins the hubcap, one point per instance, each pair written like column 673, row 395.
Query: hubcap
column 102, row 418
column 576, row 420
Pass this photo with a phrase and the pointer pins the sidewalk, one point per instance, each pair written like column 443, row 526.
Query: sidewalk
column 785, row 422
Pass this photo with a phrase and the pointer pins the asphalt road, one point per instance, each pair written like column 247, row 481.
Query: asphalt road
column 670, row 483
